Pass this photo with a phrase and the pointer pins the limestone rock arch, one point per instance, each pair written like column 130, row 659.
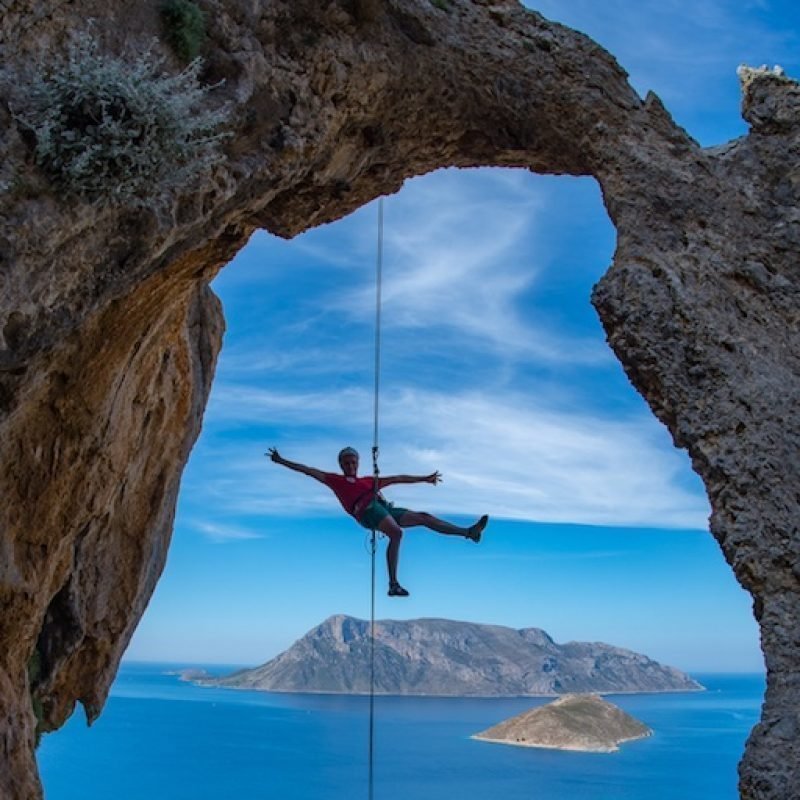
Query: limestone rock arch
column 109, row 334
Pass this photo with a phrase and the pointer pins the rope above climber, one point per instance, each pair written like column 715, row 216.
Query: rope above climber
column 362, row 499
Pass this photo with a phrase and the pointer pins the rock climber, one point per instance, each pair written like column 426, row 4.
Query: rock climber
column 372, row 511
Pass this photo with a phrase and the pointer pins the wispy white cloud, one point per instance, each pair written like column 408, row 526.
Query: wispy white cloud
column 526, row 461
column 469, row 268
column 248, row 403
column 222, row 532
column 511, row 457
column 459, row 263
column 263, row 357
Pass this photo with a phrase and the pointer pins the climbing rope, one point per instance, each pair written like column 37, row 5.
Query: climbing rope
column 378, row 303
column 375, row 487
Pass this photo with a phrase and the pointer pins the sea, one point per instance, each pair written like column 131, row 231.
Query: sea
column 163, row 738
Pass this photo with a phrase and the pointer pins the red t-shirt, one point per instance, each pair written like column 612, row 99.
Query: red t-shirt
column 355, row 494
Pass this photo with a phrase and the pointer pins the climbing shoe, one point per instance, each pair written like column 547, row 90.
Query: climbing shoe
column 475, row 531
column 396, row 590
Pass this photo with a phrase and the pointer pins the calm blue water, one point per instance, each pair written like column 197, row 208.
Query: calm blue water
column 163, row 739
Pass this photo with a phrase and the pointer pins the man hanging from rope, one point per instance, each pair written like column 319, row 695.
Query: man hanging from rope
column 359, row 498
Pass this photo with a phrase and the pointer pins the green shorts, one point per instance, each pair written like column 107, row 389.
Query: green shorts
column 372, row 516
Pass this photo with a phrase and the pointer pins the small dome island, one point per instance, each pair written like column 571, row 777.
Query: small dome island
column 583, row 722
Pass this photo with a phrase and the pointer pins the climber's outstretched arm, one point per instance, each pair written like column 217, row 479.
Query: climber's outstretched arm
column 312, row 472
column 433, row 478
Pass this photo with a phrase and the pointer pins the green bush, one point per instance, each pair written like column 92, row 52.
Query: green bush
column 185, row 24
column 120, row 131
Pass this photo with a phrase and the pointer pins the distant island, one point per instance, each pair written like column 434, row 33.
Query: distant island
column 446, row 658
column 583, row 722
column 192, row 675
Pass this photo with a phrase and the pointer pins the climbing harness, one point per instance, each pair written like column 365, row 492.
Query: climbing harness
column 375, row 486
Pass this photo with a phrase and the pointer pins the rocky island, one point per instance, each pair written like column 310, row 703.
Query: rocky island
column 448, row 658
column 574, row 722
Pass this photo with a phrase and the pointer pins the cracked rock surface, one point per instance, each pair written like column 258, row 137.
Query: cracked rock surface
column 109, row 333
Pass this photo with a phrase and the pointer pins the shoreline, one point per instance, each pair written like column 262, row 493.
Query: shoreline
column 565, row 748
column 553, row 695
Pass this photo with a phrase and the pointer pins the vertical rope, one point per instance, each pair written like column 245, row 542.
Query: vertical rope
column 370, row 776
column 375, row 487
column 378, row 303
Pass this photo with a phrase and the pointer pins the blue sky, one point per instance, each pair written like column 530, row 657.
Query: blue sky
column 495, row 372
